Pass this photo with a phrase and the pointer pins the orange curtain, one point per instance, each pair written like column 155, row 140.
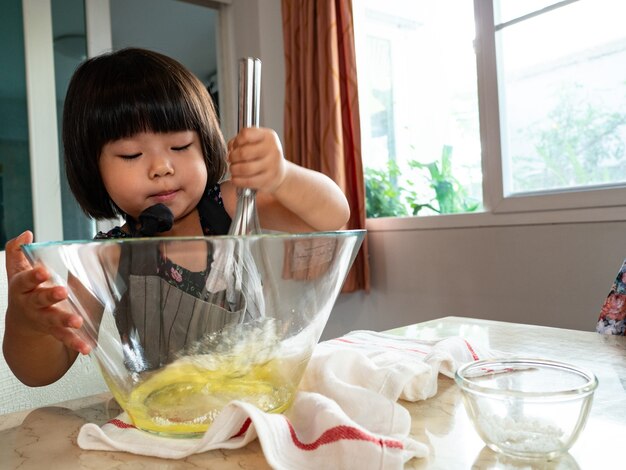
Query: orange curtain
column 322, row 129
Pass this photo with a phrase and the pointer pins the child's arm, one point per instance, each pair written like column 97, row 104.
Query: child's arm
column 290, row 197
column 40, row 343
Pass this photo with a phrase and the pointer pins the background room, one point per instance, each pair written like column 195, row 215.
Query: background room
column 533, row 259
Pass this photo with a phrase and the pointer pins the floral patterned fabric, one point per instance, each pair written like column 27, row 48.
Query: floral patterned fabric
column 613, row 314
column 187, row 281
column 115, row 232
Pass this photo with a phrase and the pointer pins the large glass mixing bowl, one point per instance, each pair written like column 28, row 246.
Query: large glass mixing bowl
column 182, row 326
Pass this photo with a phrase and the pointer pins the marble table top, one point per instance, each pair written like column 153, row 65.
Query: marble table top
column 46, row 437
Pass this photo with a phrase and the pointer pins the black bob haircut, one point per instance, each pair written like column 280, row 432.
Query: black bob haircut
column 119, row 94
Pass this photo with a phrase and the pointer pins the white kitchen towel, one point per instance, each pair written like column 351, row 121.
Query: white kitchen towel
column 345, row 414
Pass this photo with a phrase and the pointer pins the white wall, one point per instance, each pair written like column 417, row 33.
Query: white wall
column 555, row 275
column 546, row 274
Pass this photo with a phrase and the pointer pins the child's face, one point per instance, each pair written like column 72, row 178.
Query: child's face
column 150, row 168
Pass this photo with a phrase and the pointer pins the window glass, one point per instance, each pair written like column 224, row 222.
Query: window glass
column 419, row 109
column 562, row 81
column 508, row 10
column 16, row 213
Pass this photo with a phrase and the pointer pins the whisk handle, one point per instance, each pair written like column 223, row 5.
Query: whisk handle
column 249, row 92
column 246, row 220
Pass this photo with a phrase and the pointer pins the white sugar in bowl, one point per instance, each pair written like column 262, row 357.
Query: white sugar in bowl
column 528, row 408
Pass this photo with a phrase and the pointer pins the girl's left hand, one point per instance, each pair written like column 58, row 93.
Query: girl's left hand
column 256, row 160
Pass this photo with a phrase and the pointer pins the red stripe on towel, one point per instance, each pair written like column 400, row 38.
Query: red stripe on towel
column 345, row 341
column 471, row 350
column 244, row 428
column 118, row 423
column 339, row 433
column 388, row 346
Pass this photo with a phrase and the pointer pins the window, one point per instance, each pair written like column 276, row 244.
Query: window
column 540, row 84
column 419, row 106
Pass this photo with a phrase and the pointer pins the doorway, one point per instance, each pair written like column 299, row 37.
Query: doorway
column 184, row 31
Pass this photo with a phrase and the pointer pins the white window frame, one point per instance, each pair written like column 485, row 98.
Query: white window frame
column 42, row 120
column 599, row 203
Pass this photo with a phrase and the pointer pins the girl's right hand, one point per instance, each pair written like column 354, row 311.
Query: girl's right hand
column 37, row 308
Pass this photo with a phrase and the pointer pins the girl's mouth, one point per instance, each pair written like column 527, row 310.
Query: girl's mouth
column 165, row 196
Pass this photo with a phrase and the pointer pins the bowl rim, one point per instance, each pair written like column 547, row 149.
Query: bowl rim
column 359, row 233
column 466, row 384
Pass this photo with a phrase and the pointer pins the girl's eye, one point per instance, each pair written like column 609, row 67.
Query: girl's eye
column 181, row 148
column 130, row 157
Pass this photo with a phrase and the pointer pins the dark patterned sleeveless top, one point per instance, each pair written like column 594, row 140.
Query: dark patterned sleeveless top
column 214, row 220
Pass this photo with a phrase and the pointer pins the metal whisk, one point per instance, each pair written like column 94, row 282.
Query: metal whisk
column 235, row 266
column 246, row 219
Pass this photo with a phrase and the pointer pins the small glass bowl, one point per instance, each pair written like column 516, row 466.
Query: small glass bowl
column 528, row 408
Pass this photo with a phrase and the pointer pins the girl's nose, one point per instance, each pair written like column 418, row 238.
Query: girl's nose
column 161, row 166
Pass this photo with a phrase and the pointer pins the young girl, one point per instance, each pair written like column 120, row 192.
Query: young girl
column 140, row 131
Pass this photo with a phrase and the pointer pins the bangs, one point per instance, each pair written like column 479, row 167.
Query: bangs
column 147, row 106
column 137, row 91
